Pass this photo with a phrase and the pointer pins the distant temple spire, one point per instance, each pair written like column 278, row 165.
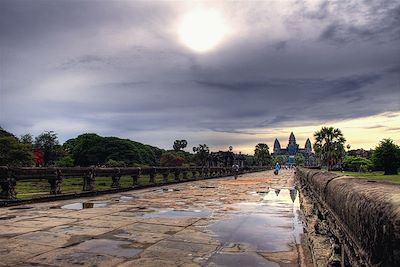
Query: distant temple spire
column 292, row 139
column 293, row 149
column 277, row 147
column 308, row 146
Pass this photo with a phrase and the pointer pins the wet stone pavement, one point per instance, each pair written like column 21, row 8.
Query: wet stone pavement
column 251, row 221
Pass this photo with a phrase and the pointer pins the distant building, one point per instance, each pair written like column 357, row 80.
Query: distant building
column 360, row 153
column 293, row 149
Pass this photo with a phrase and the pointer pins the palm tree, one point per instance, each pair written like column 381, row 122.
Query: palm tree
column 329, row 146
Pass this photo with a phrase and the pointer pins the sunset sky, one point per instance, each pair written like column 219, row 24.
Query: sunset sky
column 217, row 72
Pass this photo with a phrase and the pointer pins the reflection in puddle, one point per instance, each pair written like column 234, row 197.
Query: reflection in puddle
column 270, row 225
column 239, row 260
column 125, row 198
column 108, row 246
column 170, row 190
column 84, row 205
column 174, row 213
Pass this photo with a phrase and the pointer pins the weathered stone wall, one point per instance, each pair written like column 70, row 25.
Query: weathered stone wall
column 356, row 219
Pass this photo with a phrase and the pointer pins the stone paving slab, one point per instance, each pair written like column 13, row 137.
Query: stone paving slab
column 174, row 225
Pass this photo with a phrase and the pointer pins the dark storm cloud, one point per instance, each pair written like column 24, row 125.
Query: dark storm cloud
column 118, row 68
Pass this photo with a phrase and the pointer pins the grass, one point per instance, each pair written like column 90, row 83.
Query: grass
column 32, row 188
column 377, row 175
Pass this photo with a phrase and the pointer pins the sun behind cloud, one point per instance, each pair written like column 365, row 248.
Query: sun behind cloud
column 202, row 29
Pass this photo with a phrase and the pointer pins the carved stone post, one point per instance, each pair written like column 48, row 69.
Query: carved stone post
column 185, row 175
column 116, row 177
column 177, row 172
column 89, row 180
column 55, row 183
column 7, row 183
column 135, row 178
column 165, row 175
column 152, row 179
column 203, row 173
column 208, row 173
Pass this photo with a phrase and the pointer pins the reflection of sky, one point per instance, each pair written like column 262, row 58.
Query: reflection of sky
column 268, row 225
column 118, row 68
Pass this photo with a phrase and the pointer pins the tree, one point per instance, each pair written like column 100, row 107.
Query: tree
column 38, row 157
column 115, row 163
column 261, row 154
column 66, row 161
column 299, row 159
column 92, row 149
column 202, row 154
column 281, row 159
column 386, row 156
column 170, row 159
column 357, row 164
column 13, row 152
column 329, row 146
column 48, row 143
column 27, row 139
column 179, row 144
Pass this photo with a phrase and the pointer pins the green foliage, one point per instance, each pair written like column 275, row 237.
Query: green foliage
column 92, row 149
column 261, row 154
column 48, row 143
column 188, row 157
column 171, row 159
column 13, row 152
column 386, row 157
column 66, row 161
column 202, row 154
column 281, row 159
column 179, row 144
column 358, row 164
column 374, row 175
column 27, row 139
column 300, row 160
column 115, row 163
column 329, row 146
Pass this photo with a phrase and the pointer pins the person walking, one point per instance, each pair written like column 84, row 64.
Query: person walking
column 277, row 168
column 235, row 169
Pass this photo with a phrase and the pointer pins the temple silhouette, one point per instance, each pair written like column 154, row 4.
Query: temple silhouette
column 292, row 149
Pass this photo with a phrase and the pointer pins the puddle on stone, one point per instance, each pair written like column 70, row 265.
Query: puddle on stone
column 178, row 213
column 270, row 225
column 110, row 247
column 84, row 205
column 125, row 198
column 239, row 260
column 170, row 190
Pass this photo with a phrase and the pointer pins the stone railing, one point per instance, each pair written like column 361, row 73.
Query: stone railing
column 357, row 220
column 10, row 176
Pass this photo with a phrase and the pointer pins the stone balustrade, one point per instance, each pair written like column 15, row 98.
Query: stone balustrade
column 10, row 176
column 357, row 220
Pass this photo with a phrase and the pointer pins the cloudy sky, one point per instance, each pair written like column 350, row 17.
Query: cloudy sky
column 217, row 72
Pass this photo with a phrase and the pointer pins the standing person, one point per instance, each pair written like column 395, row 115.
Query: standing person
column 235, row 168
column 277, row 168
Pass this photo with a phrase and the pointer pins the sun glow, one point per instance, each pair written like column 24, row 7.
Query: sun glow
column 202, row 30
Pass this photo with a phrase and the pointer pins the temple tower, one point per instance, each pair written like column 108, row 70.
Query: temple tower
column 292, row 147
column 277, row 147
column 308, row 146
